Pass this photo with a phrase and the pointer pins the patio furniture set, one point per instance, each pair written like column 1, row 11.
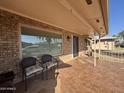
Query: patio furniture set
column 32, row 66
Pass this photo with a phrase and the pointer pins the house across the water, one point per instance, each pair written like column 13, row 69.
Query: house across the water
column 105, row 43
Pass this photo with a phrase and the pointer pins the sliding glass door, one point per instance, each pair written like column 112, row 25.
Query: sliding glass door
column 75, row 46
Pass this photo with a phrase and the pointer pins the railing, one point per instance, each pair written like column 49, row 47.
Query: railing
column 114, row 56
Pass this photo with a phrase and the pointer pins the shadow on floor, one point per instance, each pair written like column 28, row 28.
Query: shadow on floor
column 64, row 65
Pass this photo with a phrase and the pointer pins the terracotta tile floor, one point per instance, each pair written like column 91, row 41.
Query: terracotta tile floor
column 79, row 76
column 82, row 77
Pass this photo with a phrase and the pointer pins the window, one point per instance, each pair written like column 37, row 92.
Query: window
column 36, row 42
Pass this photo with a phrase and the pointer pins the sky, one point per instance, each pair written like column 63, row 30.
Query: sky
column 116, row 16
column 30, row 39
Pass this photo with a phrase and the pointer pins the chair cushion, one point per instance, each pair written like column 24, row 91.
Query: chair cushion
column 33, row 69
column 51, row 64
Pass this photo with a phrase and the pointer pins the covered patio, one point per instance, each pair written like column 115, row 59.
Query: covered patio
column 59, row 28
column 79, row 76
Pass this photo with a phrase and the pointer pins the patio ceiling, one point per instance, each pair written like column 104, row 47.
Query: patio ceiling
column 72, row 15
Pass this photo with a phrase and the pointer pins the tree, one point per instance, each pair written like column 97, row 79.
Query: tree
column 114, row 36
column 121, row 38
column 121, row 34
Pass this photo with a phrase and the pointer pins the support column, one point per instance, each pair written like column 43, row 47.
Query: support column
column 94, row 51
column 99, row 47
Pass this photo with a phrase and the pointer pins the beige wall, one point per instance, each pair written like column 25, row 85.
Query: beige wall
column 10, row 34
column 104, row 46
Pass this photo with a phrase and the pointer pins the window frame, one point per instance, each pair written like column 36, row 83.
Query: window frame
column 37, row 28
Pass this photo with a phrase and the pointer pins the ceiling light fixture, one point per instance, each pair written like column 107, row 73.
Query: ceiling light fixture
column 89, row 2
column 101, row 27
column 97, row 20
